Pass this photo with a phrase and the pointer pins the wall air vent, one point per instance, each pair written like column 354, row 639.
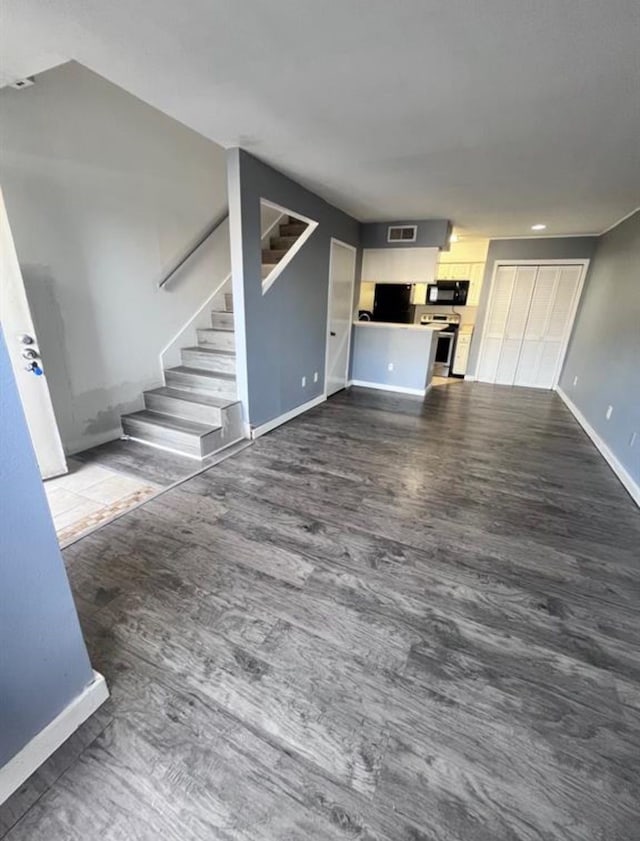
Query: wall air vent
column 402, row 233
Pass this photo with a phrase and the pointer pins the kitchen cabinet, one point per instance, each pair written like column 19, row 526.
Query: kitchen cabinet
column 461, row 355
column 419, row 294
column 472, row 271
column 399, row 265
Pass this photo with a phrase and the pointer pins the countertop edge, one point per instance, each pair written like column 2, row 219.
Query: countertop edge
column 389, row 325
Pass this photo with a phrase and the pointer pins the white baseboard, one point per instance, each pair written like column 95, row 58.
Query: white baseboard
column 469, row 378
column 48, row 740
column 399, row 389
column 630, row 485
column 257, row 431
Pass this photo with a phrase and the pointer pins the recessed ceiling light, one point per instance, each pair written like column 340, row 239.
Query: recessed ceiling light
column 538, row 227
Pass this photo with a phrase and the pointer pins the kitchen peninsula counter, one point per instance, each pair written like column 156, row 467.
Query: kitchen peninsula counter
column 393, row 357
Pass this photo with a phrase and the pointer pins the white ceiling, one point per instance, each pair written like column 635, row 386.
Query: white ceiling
column 495, row 114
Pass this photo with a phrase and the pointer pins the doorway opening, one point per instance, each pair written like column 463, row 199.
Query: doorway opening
column 342, row 272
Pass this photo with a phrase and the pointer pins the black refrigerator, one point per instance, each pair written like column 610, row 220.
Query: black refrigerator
column 392, row 302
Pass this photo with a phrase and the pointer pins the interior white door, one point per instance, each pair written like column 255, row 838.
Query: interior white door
column 552, row 307
column 536, row 326
column 496, row 322
column 15, row 315
column 515, row 324
column 342, row 269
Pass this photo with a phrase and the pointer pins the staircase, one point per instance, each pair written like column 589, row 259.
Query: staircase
column 197, row 412
column 289, row 231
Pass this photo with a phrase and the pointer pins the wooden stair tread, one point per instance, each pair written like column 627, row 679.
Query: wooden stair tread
column 214, row 351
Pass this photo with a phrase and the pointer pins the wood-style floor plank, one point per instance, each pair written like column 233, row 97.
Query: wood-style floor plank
column 389, row 620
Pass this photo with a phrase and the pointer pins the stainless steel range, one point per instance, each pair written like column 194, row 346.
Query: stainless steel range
column 446, row 340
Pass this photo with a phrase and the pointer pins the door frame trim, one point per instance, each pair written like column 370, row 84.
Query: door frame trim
column 497, row 264
column 335, row 241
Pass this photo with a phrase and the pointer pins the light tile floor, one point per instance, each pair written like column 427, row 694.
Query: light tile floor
column 435, row 381
column 91, row 495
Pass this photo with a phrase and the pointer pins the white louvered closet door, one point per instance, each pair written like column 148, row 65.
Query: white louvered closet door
column 528, row 323
column 540, row 307
column 550, row 314
column 503, row 284
column 515, row 324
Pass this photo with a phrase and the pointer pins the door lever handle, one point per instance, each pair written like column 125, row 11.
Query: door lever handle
column 333, row 333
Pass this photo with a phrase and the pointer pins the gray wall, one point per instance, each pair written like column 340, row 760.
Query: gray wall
column 546, row 248
column 283, row 331
column 431, row 233
column 103, row 192
column 43, row 659
column 604, row 350
column 411, row 351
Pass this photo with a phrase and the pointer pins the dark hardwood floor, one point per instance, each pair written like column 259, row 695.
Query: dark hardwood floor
column 388, row 621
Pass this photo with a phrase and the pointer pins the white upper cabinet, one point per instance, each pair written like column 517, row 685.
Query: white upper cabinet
column 465, row 260
column 399, row 265
column 473, row 272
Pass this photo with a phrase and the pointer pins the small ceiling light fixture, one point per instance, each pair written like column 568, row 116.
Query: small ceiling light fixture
column 538, row 227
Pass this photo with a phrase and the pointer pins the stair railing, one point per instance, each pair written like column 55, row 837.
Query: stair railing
column 193, row 248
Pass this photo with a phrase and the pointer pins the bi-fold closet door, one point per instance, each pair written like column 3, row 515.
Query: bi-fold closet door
column 527, row 325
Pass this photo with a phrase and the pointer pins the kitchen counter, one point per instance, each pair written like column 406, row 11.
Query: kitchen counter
column 395, row 326
column 394, row 357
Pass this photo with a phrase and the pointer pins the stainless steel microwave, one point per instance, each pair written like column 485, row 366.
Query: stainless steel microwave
column 452, row 292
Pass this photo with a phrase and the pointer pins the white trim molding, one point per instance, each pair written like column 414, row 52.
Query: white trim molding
column 333, row 241
column 49, row 739
column 620, row 221
column 257, row 431
column 275, row 273
column 399, row 389
column 630, row 485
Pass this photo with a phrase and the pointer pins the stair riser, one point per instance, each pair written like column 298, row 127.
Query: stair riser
column 282, row 243
column 292, row 230
column 266, row 271
column 222, row 319
column 193, row 382
column 217, row 339
column 269, row 256
column 228, row 301
column 172, row 439
column 198, row 412
column 209, row 361
column 193, row 445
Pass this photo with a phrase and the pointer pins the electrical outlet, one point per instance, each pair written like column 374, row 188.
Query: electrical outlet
column 575, row 381
column 315, row 376
column 304, row 382
column 390, row 366
column 609, row 412
column 632, row 440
